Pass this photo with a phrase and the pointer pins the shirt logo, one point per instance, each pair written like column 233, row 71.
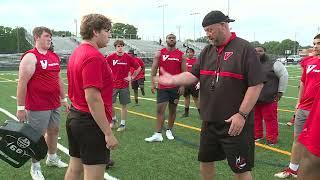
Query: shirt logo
column 227, row 55
column 44, row 64
column 114, row 62
column 310, row 68
column 165, row 57
column 240, row 162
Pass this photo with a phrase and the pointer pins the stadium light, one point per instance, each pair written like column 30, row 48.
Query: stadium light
column 194, row 24
column 76, row 24
column 163, row 6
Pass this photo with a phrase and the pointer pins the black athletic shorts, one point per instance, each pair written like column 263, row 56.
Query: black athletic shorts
column 217, row 145
column 191, row 90
column 168, row 95
column 137, row 83
column 86, row 140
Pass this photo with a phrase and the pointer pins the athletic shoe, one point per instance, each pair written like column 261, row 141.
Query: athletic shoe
column 257, row 139
column 271, row 143
column 36, row 173
column 291, row 122
column 56, row 162
column 156, row 137
column 169, row 134
column 121, row 128
column 286, row 173
column 106, row 176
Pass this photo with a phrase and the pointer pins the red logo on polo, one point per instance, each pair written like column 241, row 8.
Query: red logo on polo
column 227, row 55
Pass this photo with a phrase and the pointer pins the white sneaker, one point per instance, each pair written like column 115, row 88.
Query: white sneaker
column 169, row 134
column 56, row 162
column 36, row 173
column 156, row 137
column 106, row 176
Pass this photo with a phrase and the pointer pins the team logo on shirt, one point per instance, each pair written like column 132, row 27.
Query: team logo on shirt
column 310, row 68
column 227, row 55
column 44, row 64
column 240, row 162
column 115, row 62
column 165, row 57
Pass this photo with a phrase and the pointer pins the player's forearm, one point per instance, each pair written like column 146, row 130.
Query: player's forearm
column 250, row 98
column 21, row 93
column 301, row 89
column 136, row 72
column 183, row 79
column 62, row 93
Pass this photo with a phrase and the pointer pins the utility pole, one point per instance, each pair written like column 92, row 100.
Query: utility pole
column 194, row 24
column 163, row 6
column 18, row 41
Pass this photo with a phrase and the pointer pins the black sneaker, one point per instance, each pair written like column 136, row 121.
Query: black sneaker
column 110, row 164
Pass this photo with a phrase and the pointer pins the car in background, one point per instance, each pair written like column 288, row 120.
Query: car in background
column 282, row 60
column 293, row 59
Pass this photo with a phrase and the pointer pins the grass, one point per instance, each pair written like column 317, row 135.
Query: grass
column 136, row 159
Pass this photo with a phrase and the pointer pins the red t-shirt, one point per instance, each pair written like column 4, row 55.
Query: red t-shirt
column 311, row 131
column 120, row 66
column 190, row 62
column 141, row 73
column 310, row 73
column 88, row 68
column 170, row 61
column 43, row 89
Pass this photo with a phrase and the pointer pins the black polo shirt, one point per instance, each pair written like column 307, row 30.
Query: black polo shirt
column 225, row 78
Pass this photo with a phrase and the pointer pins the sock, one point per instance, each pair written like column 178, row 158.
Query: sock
column 294, row 166
column 199, row 111
column 35, row 165
column 186, row 110
column 123, row 122
column 136, row 100
column 158, row 133
column 52, row 156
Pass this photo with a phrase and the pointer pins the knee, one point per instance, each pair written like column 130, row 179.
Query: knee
column 53, row 130
column 75, row 170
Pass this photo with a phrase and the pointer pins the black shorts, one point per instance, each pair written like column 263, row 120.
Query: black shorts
column 86, row 140
column 137, row 83
column 168, row 95
column 191, row 90
column 217, row 145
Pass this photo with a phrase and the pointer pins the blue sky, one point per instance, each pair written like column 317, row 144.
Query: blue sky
column 261, row 20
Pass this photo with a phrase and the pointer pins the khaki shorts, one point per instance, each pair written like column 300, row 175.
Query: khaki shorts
column 41, row 120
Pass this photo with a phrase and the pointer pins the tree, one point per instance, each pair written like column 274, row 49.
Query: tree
column 120, row 30
column 203, row 39
column 13, row 40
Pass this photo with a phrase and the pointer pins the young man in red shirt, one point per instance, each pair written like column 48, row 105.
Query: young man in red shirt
column 137, row 82
column 90, row 90
column 40, row 94
column 120, row 63
column 171, row 59
column 309, row 86
column 192, row 89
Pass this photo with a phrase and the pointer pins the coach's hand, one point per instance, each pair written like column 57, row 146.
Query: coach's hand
column 153, row 89
column 111, row 141
column 22, row 115
column 181, row 90
column 237, row 123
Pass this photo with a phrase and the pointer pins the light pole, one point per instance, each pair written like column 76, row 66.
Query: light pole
column 194, row 24
column 179, row 27
column 228, row 8
column 76, row 24
column 163, row 6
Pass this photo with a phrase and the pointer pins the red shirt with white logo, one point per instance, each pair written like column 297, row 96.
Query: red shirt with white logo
column 310, row 73
column 190, row 62
column 87, row 68
column 141, row 73
column 170, row 61
column 120, row 66
column 43, row 89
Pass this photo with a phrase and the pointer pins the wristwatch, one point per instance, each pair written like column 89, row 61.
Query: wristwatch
column 244, row 115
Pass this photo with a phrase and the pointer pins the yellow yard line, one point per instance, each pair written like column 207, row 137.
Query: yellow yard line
column 198, row 129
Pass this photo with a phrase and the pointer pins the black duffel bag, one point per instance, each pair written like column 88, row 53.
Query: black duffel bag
column 19, row 142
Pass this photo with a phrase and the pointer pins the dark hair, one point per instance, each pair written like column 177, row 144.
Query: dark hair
column 37, row 31
column 191, row 49
column 170, row 35
column 317, row 36
column 118, row 42
column 264, row 49
column 93, row 22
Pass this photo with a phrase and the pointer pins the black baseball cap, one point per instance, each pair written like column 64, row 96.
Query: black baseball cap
column 214, row 17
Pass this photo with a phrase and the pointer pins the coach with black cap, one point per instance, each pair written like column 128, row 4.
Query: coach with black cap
column 231, row 80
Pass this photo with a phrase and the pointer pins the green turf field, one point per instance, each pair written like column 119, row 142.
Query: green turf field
column 136, row 159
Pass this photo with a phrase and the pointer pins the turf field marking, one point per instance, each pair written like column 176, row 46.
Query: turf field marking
column 198, row 129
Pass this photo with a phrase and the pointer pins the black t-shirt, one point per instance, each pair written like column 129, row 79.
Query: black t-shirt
column 225, row 78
